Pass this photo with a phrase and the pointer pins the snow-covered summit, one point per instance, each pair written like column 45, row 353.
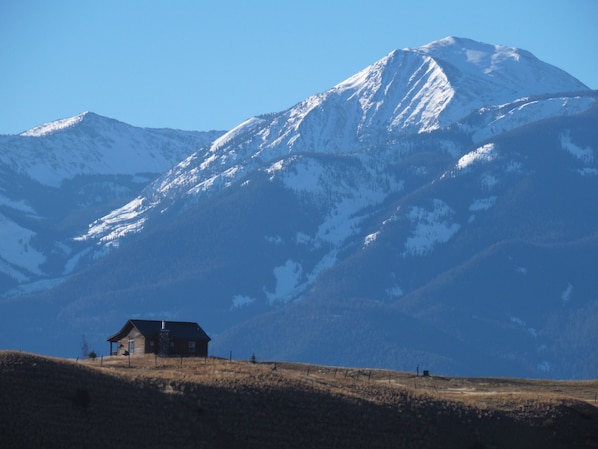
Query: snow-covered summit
column 508, row 68
column 408, row 91
column 89, row 144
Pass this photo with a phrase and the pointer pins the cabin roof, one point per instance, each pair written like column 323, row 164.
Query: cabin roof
column 152, row 328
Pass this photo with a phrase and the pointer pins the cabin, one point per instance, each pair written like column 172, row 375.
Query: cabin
column 164, row 338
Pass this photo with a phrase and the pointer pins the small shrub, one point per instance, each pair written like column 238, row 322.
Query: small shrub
column 81, row 398
column 548, row 423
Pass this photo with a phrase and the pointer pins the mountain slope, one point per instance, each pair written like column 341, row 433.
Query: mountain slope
column 433, row 209
column 60, row 175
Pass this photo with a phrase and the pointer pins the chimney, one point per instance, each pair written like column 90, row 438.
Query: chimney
column 164, row 343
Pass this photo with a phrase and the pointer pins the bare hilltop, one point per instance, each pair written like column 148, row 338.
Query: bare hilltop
column 148, row 402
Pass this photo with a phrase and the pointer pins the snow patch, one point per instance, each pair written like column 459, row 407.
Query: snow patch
column 394, row 292
column 566, row 293
column 520, row 322
column 304, row 177
column 10, row 271
column 586, row 171
column 16, row 249
column 482, row 204
column 430, row 228
column 71, row 264
column 489, row 181
column 291, row 279
column 275, row 167
column 585, row 155
column 240, row 301
column 20, row 205
column 287, row 279
column 346, row 214
column 303, row 239
column 484, row 153
column 514, row 167
column 517, row 321
column 274, row 239
column 543, row 366
column 370, row 238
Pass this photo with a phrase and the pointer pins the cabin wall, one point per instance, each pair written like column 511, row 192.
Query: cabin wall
column 134, row 340
column 142, row 345
column 202, row 348
column 151, row 346
column 187, row 347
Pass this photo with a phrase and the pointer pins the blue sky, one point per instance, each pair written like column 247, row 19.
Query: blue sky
column 191, row 64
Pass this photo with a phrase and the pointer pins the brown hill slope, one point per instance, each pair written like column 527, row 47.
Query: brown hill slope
column 208, row 403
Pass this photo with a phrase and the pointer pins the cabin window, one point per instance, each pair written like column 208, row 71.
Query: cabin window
column 191, row 346
column 131, row 346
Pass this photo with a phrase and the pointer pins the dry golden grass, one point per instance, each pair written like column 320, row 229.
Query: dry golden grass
column 213, row 403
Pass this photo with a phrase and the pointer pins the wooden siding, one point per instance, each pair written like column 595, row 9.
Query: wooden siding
column 138, row 341
column 177, row 346
column 180, row 346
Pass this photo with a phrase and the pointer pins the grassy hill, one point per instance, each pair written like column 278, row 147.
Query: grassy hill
column 148, row 402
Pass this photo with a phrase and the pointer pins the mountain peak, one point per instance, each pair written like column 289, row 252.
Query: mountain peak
column 55, row 126
column 511, row 67
column 434, row 86
column 466, row 53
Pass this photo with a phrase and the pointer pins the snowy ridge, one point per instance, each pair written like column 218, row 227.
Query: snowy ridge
column 90, row 144
column 409, row 92
column 494, row 120
column 52, row 127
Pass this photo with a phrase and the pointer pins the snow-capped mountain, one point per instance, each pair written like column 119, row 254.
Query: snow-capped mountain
column 377, row 112
column 435, row 209
column 60, row 174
